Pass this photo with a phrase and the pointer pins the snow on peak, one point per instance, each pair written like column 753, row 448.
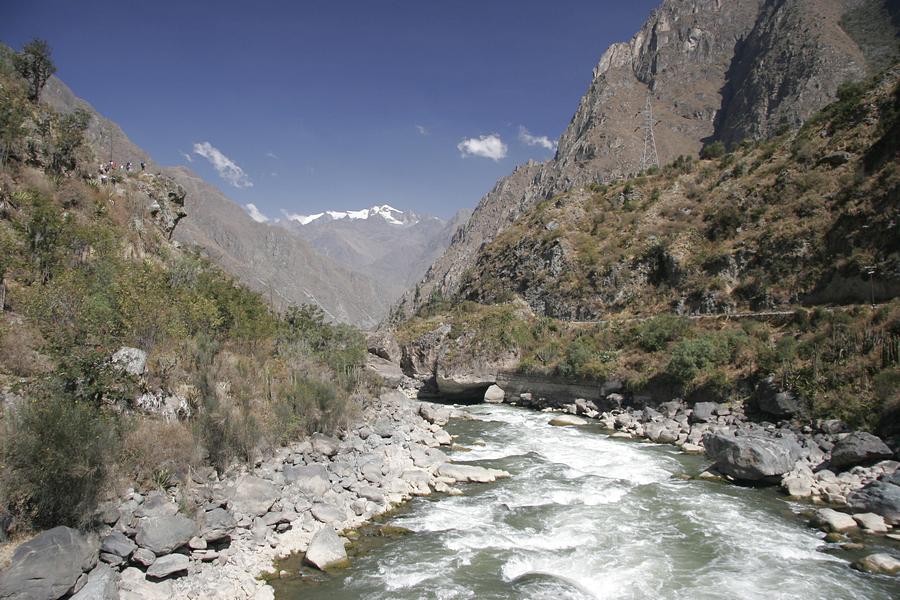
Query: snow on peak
column 385, row 211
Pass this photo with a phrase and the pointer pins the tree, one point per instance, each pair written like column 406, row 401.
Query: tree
column 12, row 120
column 35, row 65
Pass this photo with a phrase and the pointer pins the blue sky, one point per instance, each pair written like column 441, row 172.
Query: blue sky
column 333, row 105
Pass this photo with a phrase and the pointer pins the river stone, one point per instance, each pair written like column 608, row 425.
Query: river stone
column 326, row 550
column 101, row 585
column 703, row 412
column 252, row 496
column 798, row 485
column 881, row 563
column 142, row 556
column 566, row 420
column 118, row 544
column 168, row 565
column 370, row 493
column 751, row 456
column 48, row 565
column 878, row 497
column 312, row 479
column 829, row 519
column 133, row 585
column 439, row 415
column 162, row 535
column 494, row 394
column 858, row 448
column 324, row 444
column 216, row 524
column 871, row 522
column 328, row 513
column 470, row 473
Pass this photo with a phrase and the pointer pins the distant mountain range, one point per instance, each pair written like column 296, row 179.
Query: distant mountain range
column 352, row 264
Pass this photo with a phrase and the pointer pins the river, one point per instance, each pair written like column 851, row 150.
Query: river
column 587, row 516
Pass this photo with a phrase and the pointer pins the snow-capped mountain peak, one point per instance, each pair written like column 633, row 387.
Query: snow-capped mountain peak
column 388, row 213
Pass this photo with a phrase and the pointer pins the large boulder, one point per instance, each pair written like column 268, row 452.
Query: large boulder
column 101, row 585
column 703, row 412
column 252, row 496
column 326, row 550
column 879, row 497
column 858, row 448
column 494, row 395
column 162, row 535
column 324, row 444
column 566, row 420
column 216, row 524
column 118, row 544
column 434, row 413
column 168, row 565
column 752, row 456
column 880, row 563
column 47, row 566
column 771, row 399
column 470, row 473
column 131, row 360
column 829, row 519
column 311, row 479
column 390, row 373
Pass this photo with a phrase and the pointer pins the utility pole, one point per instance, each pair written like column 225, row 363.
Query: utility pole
column 649, row 157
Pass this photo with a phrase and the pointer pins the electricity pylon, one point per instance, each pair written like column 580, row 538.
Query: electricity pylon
column 649, row 157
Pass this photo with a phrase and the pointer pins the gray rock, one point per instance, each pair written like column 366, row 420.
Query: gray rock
column 880, row 563
column 370, row 493
column 328, row 513
column 858, row 448
column 494, row 394
column 751, row 456
column 168, row 565
column 118, row 544
column 835, row 159
column 384, row 428
column 131, row 360
column 101, row 585
column 771, row 399
column 565, row 420
column 831, row 520
column 162, row 535
column 326, row 550
column 47, row 566
column 439, row 415
column 879, row 497
column 216, row 524
column 312, row 479
column 470, row 473
column 703, row 412
column 871, row 522
column 142, row 556
column 252, row 496
column 324, row 444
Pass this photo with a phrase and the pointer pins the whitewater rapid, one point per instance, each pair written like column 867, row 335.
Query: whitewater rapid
column 587, row 516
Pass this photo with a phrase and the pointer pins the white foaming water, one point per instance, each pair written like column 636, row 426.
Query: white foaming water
column 585, row 516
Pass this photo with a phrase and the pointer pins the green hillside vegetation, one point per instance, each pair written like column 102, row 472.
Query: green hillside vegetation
column 804, row 224
column 85, row 271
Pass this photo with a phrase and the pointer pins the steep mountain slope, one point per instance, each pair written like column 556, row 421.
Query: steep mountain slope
column 270, row 260
column 712, row 70
column 393, row 248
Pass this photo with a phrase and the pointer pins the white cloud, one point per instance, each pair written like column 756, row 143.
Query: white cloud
column 422, row 130
column 271, row 154
column 486, row 146
column 255, row 213
column 227, row 168
column 186, row 156
column 535, row 140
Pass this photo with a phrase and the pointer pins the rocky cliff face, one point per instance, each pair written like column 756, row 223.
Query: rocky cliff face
column 712, row 70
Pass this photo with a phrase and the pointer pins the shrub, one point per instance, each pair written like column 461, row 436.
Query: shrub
column 56, row 458
column 713, row 150
column 654, row 334
column 691, row 356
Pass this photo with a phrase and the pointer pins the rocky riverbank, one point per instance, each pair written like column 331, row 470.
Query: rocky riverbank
column 297, row 500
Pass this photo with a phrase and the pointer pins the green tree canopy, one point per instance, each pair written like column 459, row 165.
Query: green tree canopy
column 35, row 65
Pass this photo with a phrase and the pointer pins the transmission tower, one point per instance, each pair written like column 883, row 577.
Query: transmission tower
column 649, row 157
